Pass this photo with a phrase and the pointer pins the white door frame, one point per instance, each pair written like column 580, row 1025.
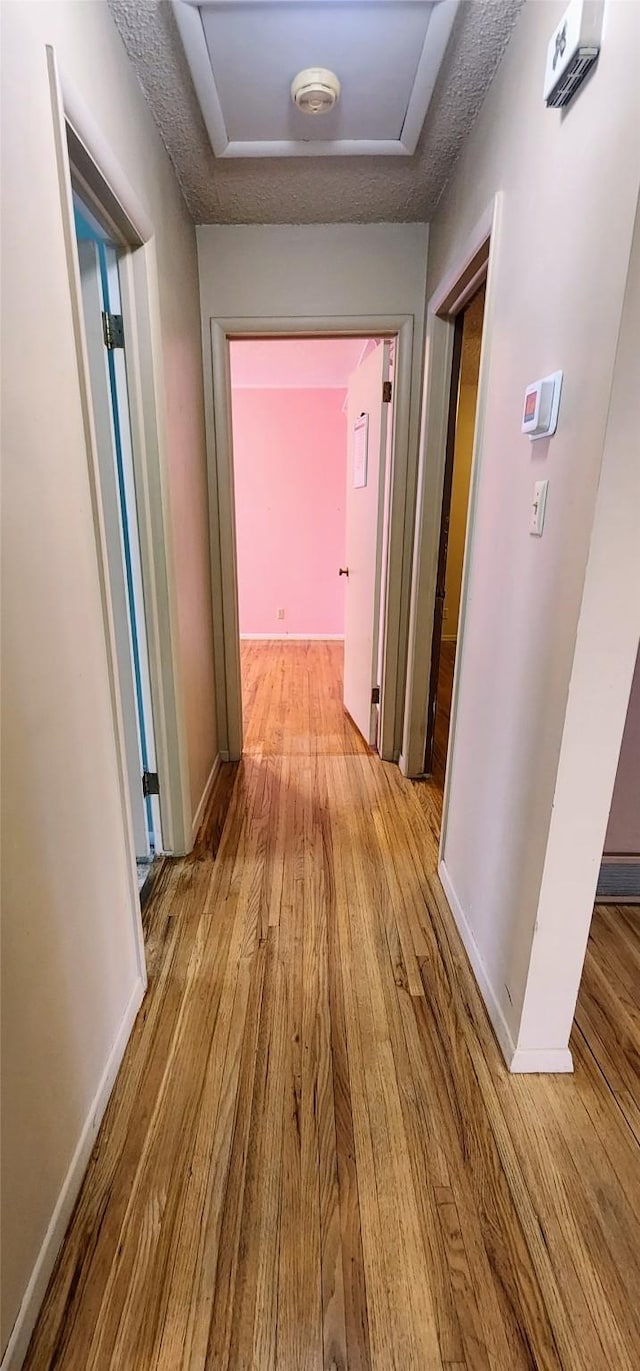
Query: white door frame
column 224, row 581
column 82, row 150
column 101, row 404
column 474, row 264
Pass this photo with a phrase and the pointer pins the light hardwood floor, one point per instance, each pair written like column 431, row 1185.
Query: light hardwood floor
column 313, row 1157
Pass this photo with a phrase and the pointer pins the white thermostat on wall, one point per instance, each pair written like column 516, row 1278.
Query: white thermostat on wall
column 541, row 405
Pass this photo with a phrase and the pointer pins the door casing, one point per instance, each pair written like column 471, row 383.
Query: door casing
column 85, row 159
column 360, row 595
column 224, row 581
column 83, row 153
column 101, row 400
column 475, row 264
column 443, row 544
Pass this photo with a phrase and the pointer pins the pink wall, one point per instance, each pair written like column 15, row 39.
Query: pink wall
column 289, row 452
column 304, row 363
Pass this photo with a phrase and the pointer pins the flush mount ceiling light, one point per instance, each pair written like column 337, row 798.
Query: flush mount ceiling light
column 315, row 90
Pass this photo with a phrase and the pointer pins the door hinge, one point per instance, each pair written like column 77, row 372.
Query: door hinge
column 113, row 330
column 387, row 392
column 375, row 695
column 150, row 783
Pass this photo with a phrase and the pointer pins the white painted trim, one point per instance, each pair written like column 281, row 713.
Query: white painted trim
column 433, row 436
column 292, row 637
column 339, row 147
column 53, row 1238
column 546, row 1060
column 224, row 583
column 205, row 797
column 446, row 290
column 132, row 220
column 438, row 34
column 88, row 420
column 147, row 407
column 132, row 228
column 494, row 1010
column 101, row 405
column 605, row 654
column 518, row 1061
column 190, row 28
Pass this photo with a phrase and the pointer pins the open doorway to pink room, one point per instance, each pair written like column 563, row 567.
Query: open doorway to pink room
column 312, row 438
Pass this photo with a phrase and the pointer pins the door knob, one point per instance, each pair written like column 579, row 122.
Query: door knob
column 344, row 571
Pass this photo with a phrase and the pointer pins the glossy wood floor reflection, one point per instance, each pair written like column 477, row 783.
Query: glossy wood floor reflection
column 314, row 1158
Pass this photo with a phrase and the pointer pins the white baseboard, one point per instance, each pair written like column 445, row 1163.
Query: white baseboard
column 519, row 1061
column 292, row 637
column 404, row 769
column 40, row 1276
column 494, row 1010
column 525, row 1061
column 204, row 799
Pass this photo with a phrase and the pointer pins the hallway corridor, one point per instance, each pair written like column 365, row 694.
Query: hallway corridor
column 313, row 1156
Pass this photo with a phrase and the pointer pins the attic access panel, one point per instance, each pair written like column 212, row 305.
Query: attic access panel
column 243, row 55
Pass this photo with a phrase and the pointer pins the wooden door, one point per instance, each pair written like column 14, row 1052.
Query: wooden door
column 367, row 415
column 438, row 613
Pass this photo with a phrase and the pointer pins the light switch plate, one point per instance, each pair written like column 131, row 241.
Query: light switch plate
column 538, row 507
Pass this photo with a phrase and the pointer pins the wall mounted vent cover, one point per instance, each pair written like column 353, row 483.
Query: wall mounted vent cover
column 573, row 48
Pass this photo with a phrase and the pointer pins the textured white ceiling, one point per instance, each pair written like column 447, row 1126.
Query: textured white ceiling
column 316, row 190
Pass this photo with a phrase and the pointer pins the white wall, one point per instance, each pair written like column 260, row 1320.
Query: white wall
column 315, row 270
column 569, row 183
column 70, row 978
column 608, row 635
column 290, row 474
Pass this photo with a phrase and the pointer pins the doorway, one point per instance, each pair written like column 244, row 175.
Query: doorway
column 463, row 402
column 222, row 332
column 98, row 259
column 312, row 431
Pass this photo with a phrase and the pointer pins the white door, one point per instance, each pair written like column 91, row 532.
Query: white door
column 366, row 455
column 118, row 545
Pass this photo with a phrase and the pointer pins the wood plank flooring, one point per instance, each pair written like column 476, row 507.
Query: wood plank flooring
column 314, row 1159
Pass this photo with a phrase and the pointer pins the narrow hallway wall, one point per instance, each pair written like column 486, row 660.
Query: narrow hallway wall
column 71, row 983
column 569, row 184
